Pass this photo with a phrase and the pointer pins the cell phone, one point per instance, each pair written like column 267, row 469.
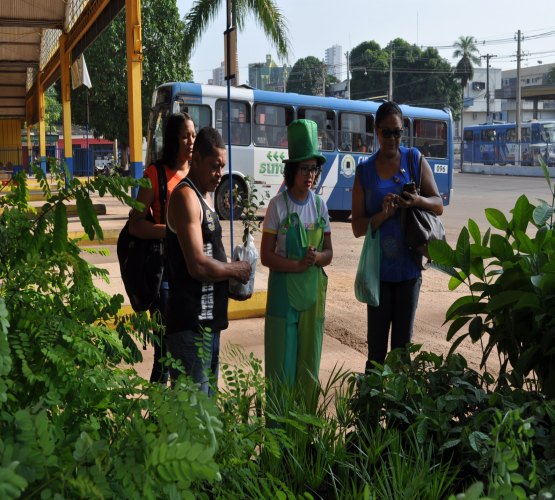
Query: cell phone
column 409, row 187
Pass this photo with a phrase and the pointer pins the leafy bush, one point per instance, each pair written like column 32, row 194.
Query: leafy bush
column 511, row 278
column 73, row 423
column 503, row 438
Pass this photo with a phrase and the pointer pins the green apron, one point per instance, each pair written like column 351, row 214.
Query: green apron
column 294, row 326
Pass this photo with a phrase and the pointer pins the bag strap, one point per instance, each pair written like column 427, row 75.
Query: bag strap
column 162, row 189
column 411, row 168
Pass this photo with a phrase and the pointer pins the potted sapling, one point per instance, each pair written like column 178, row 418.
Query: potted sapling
column 250, row 200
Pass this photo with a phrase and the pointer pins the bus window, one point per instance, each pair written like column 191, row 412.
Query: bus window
column 201, row 115
column 511, row 135
column 270, row 125
column 468, row 136
column 240, row 122
column 356, row 132
column 157, row 133
column 325, row 120
column 525, row 134
column 488, row 135
column 430, row 137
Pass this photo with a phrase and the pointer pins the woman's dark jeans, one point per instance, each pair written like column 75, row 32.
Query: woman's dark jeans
column 397, row 309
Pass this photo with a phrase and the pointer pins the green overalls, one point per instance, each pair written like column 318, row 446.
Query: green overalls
column 294, row 326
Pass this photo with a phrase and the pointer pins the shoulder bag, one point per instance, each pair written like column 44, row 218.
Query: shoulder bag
column 421, row 226
column 141, row 261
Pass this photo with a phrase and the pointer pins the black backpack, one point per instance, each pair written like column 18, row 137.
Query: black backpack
column 141, row 261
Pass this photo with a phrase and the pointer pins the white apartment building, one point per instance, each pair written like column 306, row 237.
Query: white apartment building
column 475, row 102
column 218, row 75
column 334, row 61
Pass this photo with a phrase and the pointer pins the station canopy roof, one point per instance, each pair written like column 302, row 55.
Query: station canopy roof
column 29, row 35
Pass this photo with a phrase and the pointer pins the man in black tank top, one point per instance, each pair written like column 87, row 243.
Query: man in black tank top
column 198, row 268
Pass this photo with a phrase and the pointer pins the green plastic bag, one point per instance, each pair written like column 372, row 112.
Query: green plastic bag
column 367, row 281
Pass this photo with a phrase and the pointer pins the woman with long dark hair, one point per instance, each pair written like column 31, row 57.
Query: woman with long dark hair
column 179, row 137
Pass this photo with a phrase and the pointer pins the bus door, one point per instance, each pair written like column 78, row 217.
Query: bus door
column 355, row 145
column 487, row 146
column 500, row 149
column 430, row 137
column 269, row 137
column 469, row 146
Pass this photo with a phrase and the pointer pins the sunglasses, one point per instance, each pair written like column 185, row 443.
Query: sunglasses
column 312, row 170
column 388, row 132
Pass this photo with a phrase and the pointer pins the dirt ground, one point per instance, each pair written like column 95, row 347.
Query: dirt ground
column 346, row 317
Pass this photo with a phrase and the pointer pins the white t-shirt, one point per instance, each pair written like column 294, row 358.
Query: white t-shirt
column 308, row 214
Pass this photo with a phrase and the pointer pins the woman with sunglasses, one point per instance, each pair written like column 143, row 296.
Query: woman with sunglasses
column 296, row 245
column 382, row 187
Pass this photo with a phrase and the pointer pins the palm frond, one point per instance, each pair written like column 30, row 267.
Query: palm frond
column 202, row 13
column 270, row 18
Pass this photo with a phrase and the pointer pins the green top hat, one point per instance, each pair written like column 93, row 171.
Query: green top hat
column 302, row 140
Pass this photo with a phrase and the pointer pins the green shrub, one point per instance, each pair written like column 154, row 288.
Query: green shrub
column 72, row 422
column 510, row 273
column 455, row 416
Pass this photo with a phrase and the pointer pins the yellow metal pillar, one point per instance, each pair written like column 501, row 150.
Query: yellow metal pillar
column 42, row 125
column 134, row 77
column 29, row 149
column 66, row 104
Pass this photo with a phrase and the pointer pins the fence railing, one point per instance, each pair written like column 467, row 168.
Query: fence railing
column 14, row 159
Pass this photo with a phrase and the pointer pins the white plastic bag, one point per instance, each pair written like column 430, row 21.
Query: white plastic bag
column 248, row 253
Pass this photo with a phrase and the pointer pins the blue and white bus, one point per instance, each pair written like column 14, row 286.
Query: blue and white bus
column 496, row 143
column 259, row 122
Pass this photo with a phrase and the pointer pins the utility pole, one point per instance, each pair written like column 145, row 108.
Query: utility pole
column 323, row 78
column 390, row 92
column 487, row 57
column 518, row 111
column 348, row 96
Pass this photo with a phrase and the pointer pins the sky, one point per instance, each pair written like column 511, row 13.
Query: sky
column 315, row 25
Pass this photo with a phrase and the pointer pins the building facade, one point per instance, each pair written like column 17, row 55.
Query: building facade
column 475, row 97
column 218, row 76
column 533, row 85
column 268, row 75
column 334, row 61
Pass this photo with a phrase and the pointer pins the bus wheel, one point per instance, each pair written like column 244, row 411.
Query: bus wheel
column 222, row 198
column 340, row 215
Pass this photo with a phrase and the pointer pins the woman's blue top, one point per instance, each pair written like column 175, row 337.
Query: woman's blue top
column 397, row 263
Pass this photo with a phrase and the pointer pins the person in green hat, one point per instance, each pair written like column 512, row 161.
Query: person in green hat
column 296, row 245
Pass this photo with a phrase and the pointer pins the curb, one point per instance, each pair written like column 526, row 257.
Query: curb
column 110, row 238
column 255, row 307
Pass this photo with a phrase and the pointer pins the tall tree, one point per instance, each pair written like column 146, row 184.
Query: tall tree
column 466, row 50
column 307, row 76
column 420, row 77
column 266, row 13
column 53, row 108
column 162, row 32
